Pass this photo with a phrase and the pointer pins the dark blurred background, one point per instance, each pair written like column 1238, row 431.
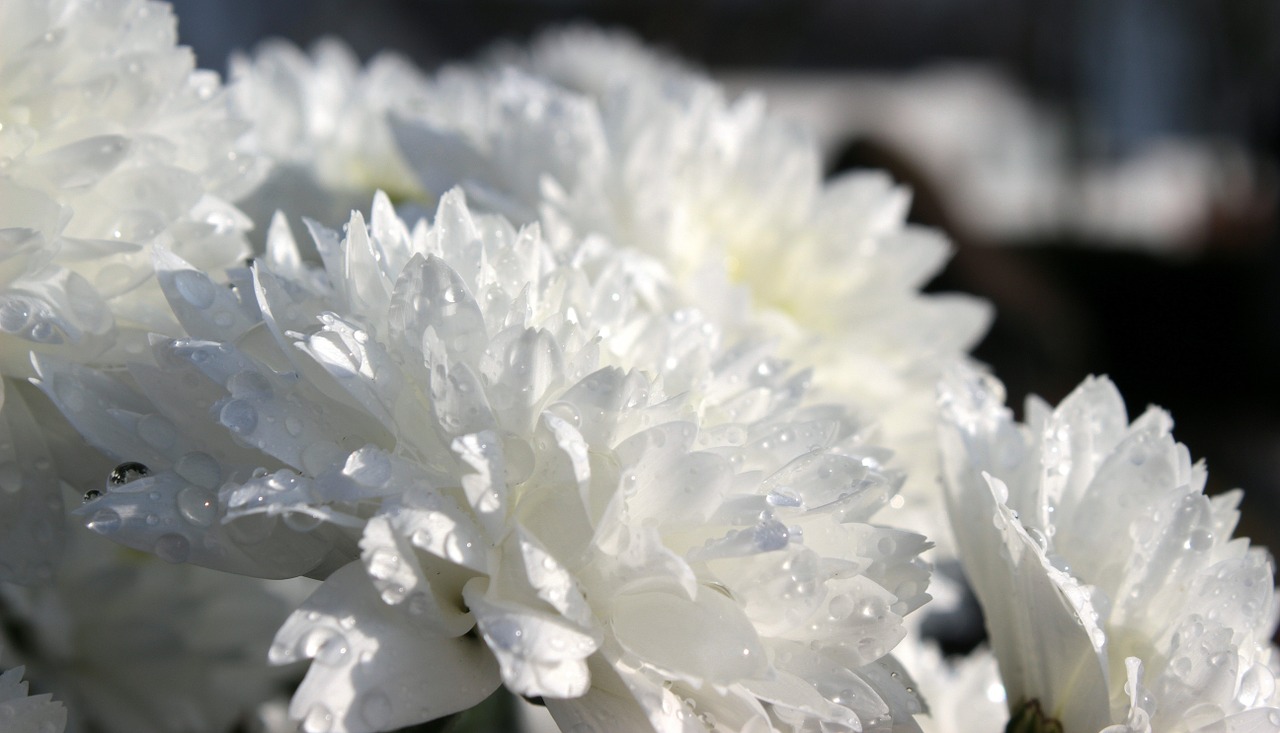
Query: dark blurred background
column 1107, row 168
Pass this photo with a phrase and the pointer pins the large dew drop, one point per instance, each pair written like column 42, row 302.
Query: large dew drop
column 198, row 506
column 239, row 416
column 200, row 469
column 194, row 288
column 126, row 473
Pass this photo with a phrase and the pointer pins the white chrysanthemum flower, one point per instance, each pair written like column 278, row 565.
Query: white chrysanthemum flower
column 323, row 120
column 546, row 481
column 1112, row 589
column 109, row 142
column 23, row 713
column 135, row 645
column 732, row 201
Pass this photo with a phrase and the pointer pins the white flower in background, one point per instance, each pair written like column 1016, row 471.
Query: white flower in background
column 109, row 142
column 589, row 60
column 545, row 480
column 23, row 713
column 1114, row 595
column 323, row 120
column 132, row 644
column 732, row 201
column 964, row 694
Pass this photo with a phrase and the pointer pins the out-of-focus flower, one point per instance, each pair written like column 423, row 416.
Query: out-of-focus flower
column 590, row 60
column 109, row 142
column 964, row 694
column 731, row 201
column 135, row 645
column 23, row 713
column 322, row 119
column 547, row 479
column 1114, row 595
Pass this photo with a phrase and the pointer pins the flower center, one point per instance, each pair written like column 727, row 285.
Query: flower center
column 1029, row 718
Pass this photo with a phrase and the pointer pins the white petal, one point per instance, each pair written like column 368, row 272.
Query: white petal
column 540, row 653
column 31, row 511
column 432, row 595
column 368, row 672
column 206, row 309
column 708, row 639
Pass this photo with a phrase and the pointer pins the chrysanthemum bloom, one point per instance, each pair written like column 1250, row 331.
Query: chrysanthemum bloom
column 731, row 200
column 1114, row 595
column 132, row 644
column 109, row 142
column 23, row 713
column 322, row 119
column 512, row 465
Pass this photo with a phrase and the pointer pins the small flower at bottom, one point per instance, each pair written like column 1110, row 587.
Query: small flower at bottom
column 1114, row 595
column 23, row 713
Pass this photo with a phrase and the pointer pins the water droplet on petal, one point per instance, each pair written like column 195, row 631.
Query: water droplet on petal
column 382, row 564
column 318, row 720
column 239, row 416
column 1199, row 540
column 14, row 315
column 302, row 521
column 173, row 548
column 200, row 469
column 127, row 472
column 198, row 506
column 194, row 288
column 873, row 608
column 105, row 521
column 505, row 634
column 45, row 332
column 333, row 651
column 840, row 607
column 783, row 496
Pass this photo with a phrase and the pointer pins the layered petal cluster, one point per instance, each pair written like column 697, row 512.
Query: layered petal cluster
column 729, row 198
column 110, row 142
column 132, row 644
column 23, row 713
column 512, row 464
column 322, row 119
column 1114, row 595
